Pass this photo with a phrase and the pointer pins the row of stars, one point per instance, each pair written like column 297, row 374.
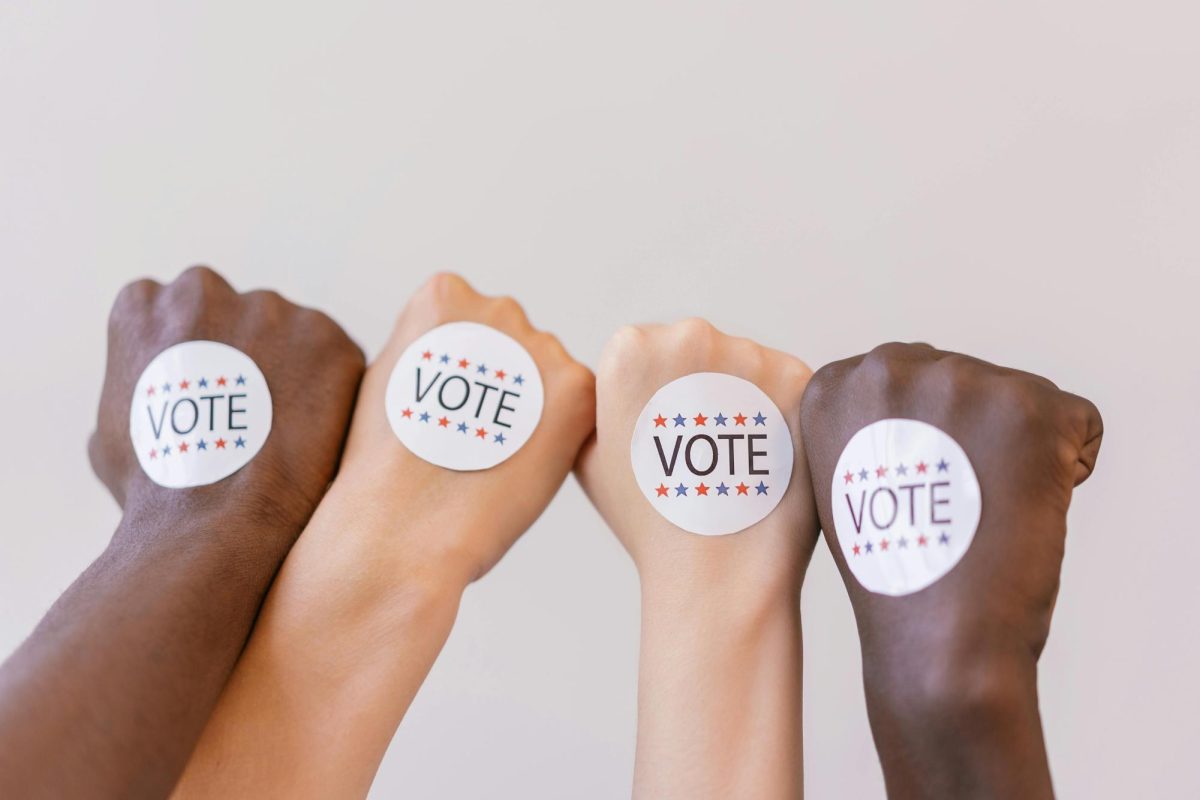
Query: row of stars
column 881, row 471
column 901, row 544
column 185, row 384
column 201, row 444
column 461, row 427
column 480, row 369
column 702, row 490
column 701, row 421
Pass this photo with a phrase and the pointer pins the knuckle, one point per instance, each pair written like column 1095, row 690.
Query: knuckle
column 694, row 328
column 446, row 284
column 625, row 341
column 201, row 276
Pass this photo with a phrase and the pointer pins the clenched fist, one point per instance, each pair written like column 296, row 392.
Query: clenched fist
column 949, row 647
column 242, row 405
column 466, row 425
column 698, row 466
column 310, row 365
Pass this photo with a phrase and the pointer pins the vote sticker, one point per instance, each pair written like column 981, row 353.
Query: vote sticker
column 906, row 504
column 200, row 411
column 464, row 396
column 712, row 453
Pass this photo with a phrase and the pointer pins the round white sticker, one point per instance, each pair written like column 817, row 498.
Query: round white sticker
column 464, row 396
column 906, row 504
column 712, row 453
column 200, row 412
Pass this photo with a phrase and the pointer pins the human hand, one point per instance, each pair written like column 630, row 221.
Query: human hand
column 311, row 368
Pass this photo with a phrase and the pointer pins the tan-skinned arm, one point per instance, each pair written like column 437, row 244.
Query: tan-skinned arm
column 368, row 595
column 719, row 697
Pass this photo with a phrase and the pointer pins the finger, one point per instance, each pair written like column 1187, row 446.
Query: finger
column 1089, row 427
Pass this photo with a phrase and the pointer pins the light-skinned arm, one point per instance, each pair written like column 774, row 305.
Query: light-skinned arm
column 368, row 595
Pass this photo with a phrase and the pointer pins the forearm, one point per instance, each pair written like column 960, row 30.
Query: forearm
column 304, row 721
column 108, row 695
column 719, row 709
column 961, row 724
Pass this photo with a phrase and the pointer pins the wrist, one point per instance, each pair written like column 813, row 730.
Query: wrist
column 957, row 721
column 195, row 530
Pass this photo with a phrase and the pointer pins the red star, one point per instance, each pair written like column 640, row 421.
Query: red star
column 659, row 422
column 183, row 447
column 702, row 489
column 183, row 384
column 221, row 381
column 883, row 544
column 443, row 422
column 150, row 391
column 480, row 433
column 741, row 487
column 739, row 420
column 849, row 476
column 220, row 444
column 922, row 540
column 700, row 419
column 463, row 363
column 662, row 490
column 880, row 472
column 857, row 549
column 500, row 374
column 406, row 413
column 153, row 454
column 427, row 355
column 922, row 467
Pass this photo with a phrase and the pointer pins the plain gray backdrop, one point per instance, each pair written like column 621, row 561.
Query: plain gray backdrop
column 1019, row 181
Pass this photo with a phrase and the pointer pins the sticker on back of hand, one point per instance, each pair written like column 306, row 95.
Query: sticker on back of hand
column 712, row 453
column 201, row 410
column 906, row 504
column 464, row 396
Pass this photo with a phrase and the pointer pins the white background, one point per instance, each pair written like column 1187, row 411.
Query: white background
column 1019, row 181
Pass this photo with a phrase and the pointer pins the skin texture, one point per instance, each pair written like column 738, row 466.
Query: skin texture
column 951, row 671
column 368, row 596
column 109, row 694
column 720, row 669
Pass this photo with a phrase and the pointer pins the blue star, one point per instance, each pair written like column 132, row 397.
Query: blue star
column 944, row 539
column 903, row 542
column 870, row 547
column 240, row 442
column 481, row 369
column 445, row 359
column 519, row 380
column 499, row 438
column 424, row 416
column 462, row 427
column 201, row 445
column 762, row 487
column 204, row 383
column 902, row 470
column 681, row 490
column 759, row 419
column 720, row 418
column 166, row 387
column 680, row 420
column 862, row 475
column 943, row 466
column 167, row 450
column 722, row 488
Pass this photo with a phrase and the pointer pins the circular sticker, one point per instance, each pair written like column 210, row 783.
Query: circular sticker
column 906, row 504
column 200, row 411
column 464, row 396
column 712, row 453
